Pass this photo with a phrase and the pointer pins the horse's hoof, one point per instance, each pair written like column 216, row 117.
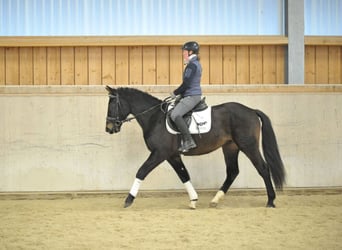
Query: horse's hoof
column 192, row 204
column 129, row 200
column 271, row 205
column 127, row 204
column 213, row 204
column 215, row 201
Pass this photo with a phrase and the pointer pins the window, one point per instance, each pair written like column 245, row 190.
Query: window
column 323, row 17
column 141, row 17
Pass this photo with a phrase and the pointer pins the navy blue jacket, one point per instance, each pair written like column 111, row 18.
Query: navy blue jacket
column 191, row 79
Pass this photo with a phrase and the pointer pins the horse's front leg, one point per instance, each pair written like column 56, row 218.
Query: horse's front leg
column 151, row 163
column 178, row 165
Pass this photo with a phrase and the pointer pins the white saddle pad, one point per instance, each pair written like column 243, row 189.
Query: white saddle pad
column 200, row 122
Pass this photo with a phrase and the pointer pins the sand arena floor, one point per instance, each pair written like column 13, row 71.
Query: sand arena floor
column 305, row 220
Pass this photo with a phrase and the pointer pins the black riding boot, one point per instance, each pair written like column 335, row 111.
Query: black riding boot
column 187, row 141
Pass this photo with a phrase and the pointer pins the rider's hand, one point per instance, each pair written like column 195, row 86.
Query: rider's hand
column 172, row 95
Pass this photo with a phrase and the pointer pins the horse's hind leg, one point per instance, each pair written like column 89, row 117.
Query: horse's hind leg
column 254, row 155
column 231, row 152
column 178, row 165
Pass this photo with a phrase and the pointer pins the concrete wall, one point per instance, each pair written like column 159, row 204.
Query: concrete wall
column 57, row 142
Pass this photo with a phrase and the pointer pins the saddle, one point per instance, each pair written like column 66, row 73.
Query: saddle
column 198, row 119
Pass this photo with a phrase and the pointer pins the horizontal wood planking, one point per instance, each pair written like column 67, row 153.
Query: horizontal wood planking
column 51, row 41
column 323, row 40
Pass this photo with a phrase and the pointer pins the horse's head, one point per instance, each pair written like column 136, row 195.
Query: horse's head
column 118, row 111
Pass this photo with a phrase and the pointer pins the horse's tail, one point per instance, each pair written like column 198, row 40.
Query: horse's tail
column 271, row 151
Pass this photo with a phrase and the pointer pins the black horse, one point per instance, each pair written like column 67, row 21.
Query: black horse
column 235, row 128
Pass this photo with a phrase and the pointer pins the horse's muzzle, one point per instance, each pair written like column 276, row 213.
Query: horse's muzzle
column 110, row 131
column 112, row 128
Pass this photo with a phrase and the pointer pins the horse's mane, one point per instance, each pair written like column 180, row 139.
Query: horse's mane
column 138, row 95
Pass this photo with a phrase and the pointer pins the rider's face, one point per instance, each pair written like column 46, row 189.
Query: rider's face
column 186, row 54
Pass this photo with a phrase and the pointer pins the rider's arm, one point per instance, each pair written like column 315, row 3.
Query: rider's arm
column 188, row 76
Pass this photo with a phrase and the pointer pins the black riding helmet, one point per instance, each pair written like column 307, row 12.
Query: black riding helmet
column 194, row 46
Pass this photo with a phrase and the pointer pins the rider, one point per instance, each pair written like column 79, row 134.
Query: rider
column 190, row 92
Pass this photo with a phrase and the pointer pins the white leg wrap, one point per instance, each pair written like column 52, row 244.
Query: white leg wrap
column 219, row 195
column 135, row 187
column 192, row 204
column 191, row 191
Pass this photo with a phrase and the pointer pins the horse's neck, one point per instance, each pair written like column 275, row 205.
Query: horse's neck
column 143, row 107
column 141, row 104
column 139, row 101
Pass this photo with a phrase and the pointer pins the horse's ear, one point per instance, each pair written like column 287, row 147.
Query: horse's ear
column 110, row 90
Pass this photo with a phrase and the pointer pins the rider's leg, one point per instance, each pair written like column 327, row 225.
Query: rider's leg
column 187, row 141
column 185, row 105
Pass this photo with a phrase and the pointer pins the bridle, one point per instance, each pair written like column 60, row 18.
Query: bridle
column 116, row 120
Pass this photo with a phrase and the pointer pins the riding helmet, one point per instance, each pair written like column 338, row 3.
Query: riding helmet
column 194, row 46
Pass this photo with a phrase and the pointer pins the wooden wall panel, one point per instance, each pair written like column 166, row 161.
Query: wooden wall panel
column 334, row 72
column 122, row 65
column 26, row 66
column 322, row 64
column 280, row 61
column 205, row 62
column 67, row 66
column 269, row 64
column 135, row 65
column 176, row 65
column 81, row 66
column 229, row 64
column 108, row 65
column 12, row 66
column 256, row 64
column 158, row 60
column 242, row 65
column 39, row 66
column 2, row 66
column 310, row 64
column 54, row 66
column 149, row 65
column 131, row 65
column 216, row 65
column 163, row 65
column 95, row 65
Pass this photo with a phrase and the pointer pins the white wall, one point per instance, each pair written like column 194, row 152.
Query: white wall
column 58, row 143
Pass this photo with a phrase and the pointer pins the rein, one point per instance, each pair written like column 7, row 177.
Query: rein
column 117, row 121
